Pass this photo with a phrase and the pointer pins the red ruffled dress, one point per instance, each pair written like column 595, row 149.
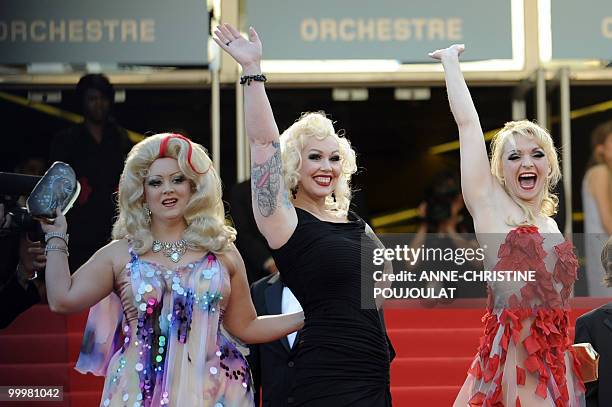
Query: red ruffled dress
column 525, row 356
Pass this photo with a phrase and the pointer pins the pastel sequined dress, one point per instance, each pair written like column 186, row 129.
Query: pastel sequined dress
column 158, row 341
column 525, row 356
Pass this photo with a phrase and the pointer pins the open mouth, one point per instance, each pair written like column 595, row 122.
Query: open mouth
column 527, row 181
column 323, row 180
column 169, row 203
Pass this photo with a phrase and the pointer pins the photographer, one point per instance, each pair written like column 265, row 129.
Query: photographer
column 442, row 222
column 21, row 284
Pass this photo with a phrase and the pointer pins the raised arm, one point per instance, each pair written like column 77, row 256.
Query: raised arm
column 240, row 318
column 92, row 282
column 477, row 182
column 274, row 213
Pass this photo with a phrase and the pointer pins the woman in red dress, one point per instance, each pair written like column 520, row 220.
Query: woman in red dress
column 525, row 356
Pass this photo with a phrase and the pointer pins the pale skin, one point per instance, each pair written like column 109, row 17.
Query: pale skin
column 487, row 201
column 274, row 212
column 598, row 183
column 167, row 192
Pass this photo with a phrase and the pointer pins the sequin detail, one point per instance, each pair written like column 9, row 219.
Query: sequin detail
column 158, row 345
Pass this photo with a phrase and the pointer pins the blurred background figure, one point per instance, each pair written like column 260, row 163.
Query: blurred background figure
column 22, row 281
column 96, row 150
column 595, row 327
column 597, row 207
column 443, row 221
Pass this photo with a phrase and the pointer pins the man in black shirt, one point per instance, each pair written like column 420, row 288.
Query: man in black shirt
column 96, row 149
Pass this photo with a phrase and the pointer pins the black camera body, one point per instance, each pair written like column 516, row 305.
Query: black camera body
column 12, row 186
column 439, row 201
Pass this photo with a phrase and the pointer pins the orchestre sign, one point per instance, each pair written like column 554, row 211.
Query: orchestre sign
column 114, row 31
column 581, row 29
column 387, row 29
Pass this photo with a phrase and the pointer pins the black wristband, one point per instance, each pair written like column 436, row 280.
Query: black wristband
column 250, row 78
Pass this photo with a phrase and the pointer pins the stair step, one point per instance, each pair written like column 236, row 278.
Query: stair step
column 41, row 374
column 85, row 398
column 34, row 348
column 76, row 322
column 429, row 371
column 433, row 318
column 434, row 342
column 38, row 319
column 49, row 374
column 436, row 396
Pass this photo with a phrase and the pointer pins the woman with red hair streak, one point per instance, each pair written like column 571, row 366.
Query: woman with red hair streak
column 175, row 277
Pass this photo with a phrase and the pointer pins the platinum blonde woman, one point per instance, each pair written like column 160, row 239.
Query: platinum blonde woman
column 301, row 195
column 176, row 277
column 524, row 357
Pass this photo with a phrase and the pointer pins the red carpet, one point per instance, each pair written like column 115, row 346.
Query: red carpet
column 434, row 348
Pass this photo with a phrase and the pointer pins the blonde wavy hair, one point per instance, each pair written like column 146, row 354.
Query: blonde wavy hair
column 204, row 213
column 526, row 128
column 316, row 124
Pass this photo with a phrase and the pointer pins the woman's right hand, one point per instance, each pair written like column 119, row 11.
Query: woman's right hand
column 246, row 52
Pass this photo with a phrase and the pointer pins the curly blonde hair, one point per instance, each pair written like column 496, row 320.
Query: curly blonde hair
column 526, row 128
column 316, row 124
column 204, row 213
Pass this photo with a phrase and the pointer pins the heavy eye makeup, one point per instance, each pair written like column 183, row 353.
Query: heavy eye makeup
column 178, row 179
column 536, row 154
column 157, row 181
column 154, row 182
column 317, row 156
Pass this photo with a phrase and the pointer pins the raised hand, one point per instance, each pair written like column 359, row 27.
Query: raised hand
column 453, row 51
column 245, row 52
column 59, row 224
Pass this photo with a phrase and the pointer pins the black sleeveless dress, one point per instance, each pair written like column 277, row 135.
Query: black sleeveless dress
column 342, row 356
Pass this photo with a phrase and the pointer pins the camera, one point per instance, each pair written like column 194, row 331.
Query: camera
column 12, row 186
column 439, row 200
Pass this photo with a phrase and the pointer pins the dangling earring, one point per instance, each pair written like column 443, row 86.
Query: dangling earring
column 147, row 213
column 294, row 191
column 334, row 196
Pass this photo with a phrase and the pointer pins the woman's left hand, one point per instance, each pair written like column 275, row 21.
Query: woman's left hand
column 453, row 51
column 59, row 224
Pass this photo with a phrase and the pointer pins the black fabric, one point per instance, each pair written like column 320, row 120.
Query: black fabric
column 14, row 299
column 342, row 356
column 98, row 168
column 272, row 364
column 595, row 327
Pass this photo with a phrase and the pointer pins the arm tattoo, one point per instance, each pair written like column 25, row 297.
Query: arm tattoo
column 266, row 182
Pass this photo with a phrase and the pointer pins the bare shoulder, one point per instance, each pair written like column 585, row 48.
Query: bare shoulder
column 550, row 226
column 493, row 212
column 598, row 174
column 116, row 253
column 231, row 259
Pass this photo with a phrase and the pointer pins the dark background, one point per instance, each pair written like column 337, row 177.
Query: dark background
column 391, row 137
